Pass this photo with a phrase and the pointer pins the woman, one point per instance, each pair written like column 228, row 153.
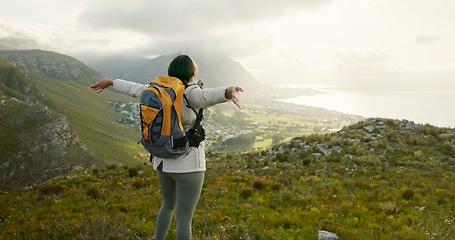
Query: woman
column 180, row 179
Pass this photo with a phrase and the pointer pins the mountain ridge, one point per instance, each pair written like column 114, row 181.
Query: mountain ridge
column 50, row 64
column 218, row 70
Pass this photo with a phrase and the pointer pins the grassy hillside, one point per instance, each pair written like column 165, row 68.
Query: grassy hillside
column 14, row 84
column 93, row 118
column 51, row 120
column 64, row 84
column 377, row 179
column 36, row 145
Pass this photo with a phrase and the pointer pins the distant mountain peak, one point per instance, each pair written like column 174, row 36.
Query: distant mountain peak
column 216, row 70
column 51, row 64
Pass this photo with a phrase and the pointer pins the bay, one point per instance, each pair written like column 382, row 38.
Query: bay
column 433, row 107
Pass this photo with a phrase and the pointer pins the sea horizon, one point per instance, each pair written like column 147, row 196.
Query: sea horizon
column 434, row 107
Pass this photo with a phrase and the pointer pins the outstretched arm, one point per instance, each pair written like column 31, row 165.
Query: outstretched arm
column 207, row 97
column 101, row 84
column 126, row 87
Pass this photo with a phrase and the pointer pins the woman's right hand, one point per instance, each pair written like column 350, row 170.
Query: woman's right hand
column 101, row 84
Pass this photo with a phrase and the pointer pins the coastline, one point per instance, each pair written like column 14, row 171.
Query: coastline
column 424, row 107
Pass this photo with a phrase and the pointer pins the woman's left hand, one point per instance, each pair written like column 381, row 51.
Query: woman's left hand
column 233, row 93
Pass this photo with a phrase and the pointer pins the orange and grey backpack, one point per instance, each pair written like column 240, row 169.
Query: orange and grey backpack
column 163, row 134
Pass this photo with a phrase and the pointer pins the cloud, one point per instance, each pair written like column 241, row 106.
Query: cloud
column 425, row 39
column 370, row 58
column 227, row 26
column 180, row 17
column 22, row 34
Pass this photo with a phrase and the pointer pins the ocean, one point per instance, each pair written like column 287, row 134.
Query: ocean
column 433, row 107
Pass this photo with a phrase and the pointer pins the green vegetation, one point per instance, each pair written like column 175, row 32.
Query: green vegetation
column 94, row 120
column 259, row 126
column 377, row 179
column 60, row 83
column 49, row 124
column 14, row 84
column 36, row 145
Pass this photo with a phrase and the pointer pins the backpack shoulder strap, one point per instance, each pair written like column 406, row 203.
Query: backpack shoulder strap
column 200, row 114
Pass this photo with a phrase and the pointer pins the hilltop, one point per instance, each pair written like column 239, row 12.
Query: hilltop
column 376, row 179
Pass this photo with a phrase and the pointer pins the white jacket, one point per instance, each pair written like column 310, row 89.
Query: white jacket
column 194, row 161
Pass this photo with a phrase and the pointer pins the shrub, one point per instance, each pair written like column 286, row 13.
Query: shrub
column 306, row 161
column 286, row 196
column 407, row 194
column 258, row 184
column 137, row 184
column 133, row 172
column 390, row 208
column 93, row 192
column 51, row 188
column 246, row 193
column 78, row 169
column 448, row 149
column 276, row 187
column 282, row 157
column 418, row 155
column 111, row 166
column 94, row 169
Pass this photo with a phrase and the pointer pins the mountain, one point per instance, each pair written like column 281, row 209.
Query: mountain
column 36, row 143
column 53, row 122
column 117, row 66
column 375, row 179
column 215, row 70
column 52, row 65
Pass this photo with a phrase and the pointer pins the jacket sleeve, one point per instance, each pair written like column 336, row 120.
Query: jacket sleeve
column 206, row 97
column 130, row 88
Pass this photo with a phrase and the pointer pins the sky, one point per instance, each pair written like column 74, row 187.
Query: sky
column 380, row 44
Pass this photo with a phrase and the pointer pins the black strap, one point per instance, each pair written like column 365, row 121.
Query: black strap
column 199, row 116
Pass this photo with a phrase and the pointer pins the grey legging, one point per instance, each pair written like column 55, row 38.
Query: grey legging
column 183, row 190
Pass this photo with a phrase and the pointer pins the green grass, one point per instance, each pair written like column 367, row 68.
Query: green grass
column 61, row 83
column 262, row 143
column 93, row 119
column 289, row 193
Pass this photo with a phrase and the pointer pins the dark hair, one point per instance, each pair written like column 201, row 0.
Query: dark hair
column 183, row 68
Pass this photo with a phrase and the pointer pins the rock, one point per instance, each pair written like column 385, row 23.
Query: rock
column 369, row 128
column 324, row 235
